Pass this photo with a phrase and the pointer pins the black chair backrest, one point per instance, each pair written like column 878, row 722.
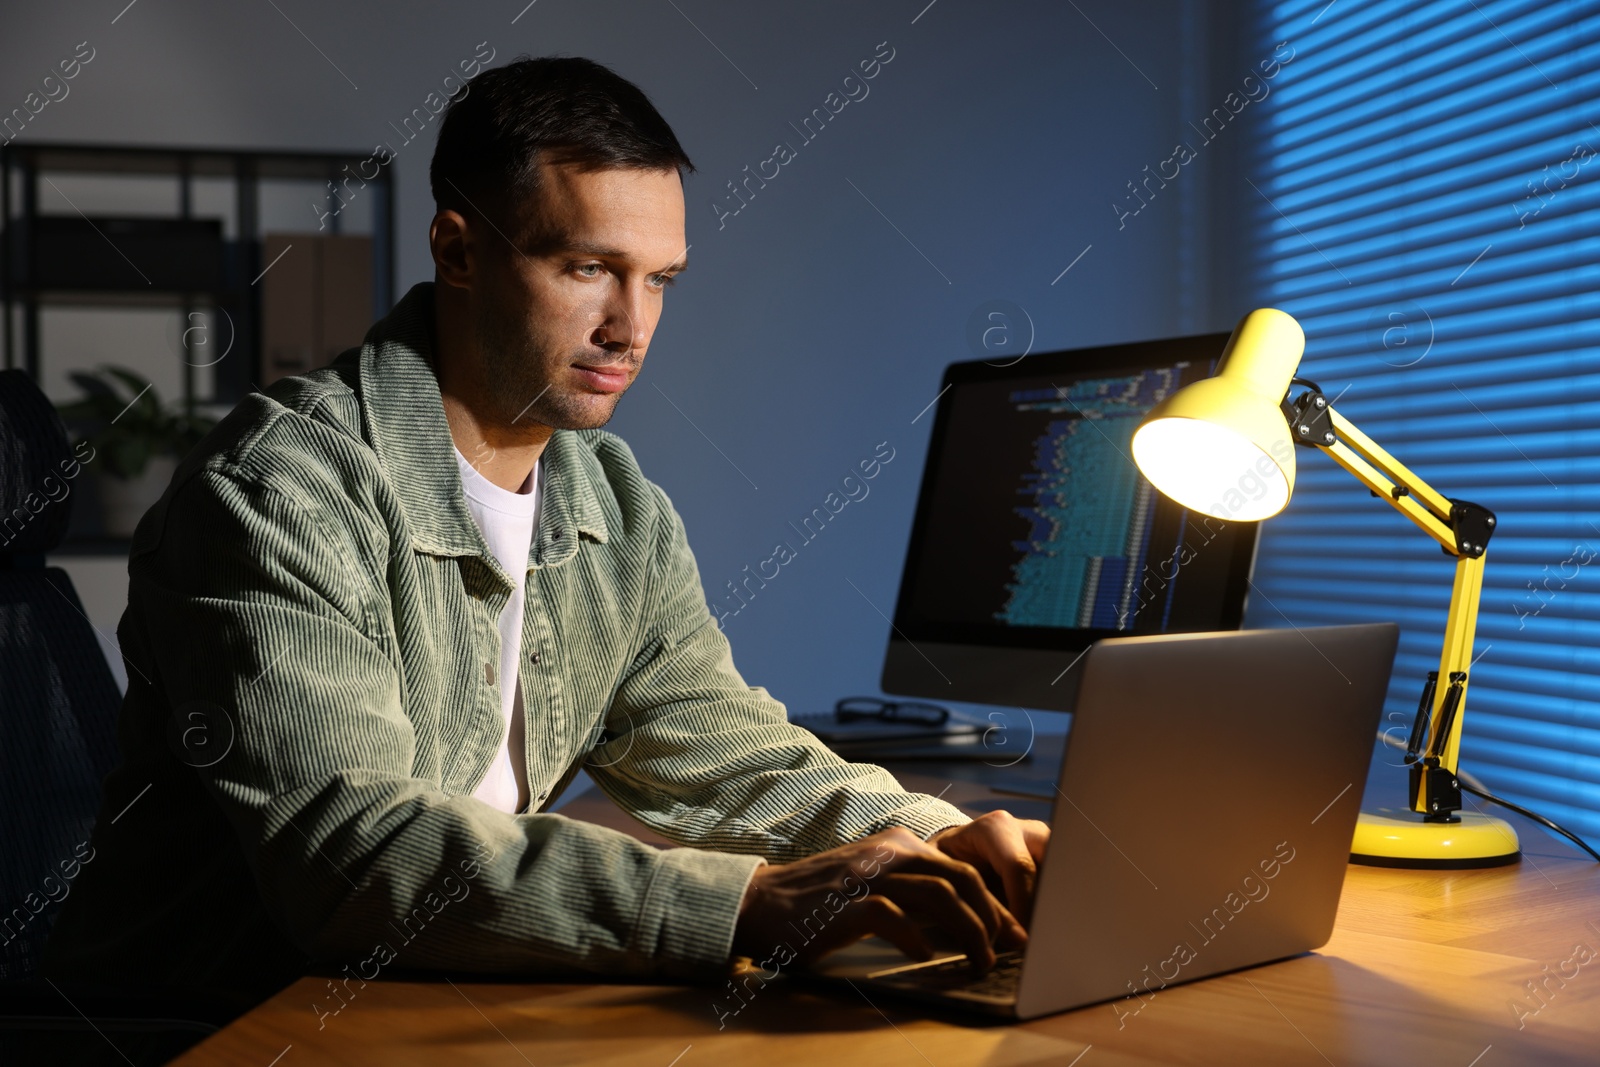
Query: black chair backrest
column 58, row 700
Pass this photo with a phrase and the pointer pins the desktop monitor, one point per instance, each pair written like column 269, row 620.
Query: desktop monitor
column 1035, row 534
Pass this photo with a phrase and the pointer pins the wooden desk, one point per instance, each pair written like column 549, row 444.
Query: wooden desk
column 1423, row 968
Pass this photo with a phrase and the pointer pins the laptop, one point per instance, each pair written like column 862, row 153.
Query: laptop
column 1202, row 822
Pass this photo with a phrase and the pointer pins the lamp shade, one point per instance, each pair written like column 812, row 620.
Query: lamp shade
column 1221, row 446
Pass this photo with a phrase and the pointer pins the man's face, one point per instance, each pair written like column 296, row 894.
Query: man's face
column 564, row 318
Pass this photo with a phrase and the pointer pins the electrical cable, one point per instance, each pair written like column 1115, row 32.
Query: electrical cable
column 1536, row 817
column 1477, row 789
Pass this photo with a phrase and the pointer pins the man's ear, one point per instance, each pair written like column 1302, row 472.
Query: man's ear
column 450, row 240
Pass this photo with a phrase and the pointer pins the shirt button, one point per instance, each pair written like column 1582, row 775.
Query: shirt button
column 533, row 658
column 488, row 674
column 555, row 535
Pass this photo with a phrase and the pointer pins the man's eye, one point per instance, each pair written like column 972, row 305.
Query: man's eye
column 582, row 267
column 661, row 281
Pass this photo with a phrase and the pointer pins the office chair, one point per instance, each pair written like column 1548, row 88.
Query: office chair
column 58, row 712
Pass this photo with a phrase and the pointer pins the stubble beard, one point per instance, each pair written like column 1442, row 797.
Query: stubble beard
column 520, row 382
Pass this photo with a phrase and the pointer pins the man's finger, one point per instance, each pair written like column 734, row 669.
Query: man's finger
column 1000, row 847
column 1019, row 875
column 1000, row 853
column 934, row 899
column 1004, row 849
column 879, row 915
column 1037, row 835
column 965, row 879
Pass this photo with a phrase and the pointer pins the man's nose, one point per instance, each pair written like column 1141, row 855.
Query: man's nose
column 624, row 326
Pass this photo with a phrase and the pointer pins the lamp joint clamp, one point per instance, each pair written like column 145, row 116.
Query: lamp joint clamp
column 1473, row 525
column 1440, row 791
column 1310, row 417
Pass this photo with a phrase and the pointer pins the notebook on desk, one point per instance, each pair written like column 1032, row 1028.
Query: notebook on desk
column 1202, row 822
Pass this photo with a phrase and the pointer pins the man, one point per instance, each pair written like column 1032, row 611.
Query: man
column 387, row 611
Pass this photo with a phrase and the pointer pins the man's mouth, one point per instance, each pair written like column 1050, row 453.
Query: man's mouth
column 610, row 378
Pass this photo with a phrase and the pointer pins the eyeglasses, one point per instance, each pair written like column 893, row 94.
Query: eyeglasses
column 851, row 709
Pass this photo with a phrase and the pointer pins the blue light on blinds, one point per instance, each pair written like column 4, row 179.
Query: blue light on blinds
column 1429, row 209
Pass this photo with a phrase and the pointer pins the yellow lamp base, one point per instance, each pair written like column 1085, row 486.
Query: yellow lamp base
column 1391, row 837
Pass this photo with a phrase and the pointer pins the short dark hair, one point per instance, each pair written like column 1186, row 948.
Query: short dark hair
column 563, row 109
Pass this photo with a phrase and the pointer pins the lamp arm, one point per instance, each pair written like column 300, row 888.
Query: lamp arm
column 1462, row 529
column 1390, row 479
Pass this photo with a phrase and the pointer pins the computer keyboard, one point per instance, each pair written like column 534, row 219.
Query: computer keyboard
column 955, row 975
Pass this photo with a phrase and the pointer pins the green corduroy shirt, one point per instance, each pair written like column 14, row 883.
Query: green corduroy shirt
column 310, row 639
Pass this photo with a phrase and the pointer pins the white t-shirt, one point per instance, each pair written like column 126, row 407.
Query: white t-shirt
column 508, row 521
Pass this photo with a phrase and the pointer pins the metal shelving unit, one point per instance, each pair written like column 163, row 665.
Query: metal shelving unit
column 97, row 275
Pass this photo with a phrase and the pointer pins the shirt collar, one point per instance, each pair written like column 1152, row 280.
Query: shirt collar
column 404, row 412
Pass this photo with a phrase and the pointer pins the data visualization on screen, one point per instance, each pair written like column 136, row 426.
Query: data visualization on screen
column 1087, row 508
column 1035, row 526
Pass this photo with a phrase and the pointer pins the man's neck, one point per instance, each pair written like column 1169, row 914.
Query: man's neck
column 502, row 454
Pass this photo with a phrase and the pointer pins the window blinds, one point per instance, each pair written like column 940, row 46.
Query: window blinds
column 1427, row 204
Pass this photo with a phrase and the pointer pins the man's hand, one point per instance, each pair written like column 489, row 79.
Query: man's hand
column 889, row 884
column 1005, row 850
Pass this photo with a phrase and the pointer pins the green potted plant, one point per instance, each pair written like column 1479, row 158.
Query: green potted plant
column 137, row 439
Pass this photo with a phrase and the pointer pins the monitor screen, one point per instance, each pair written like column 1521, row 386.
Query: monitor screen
column 1034, row 528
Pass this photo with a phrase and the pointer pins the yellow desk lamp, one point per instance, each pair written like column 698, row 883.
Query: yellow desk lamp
column 1224, row 446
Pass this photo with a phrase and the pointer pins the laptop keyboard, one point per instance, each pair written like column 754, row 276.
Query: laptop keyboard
column 955, row 975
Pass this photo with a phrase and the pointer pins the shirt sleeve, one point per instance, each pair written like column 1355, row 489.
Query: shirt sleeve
column 706, row 760
column 266, row 614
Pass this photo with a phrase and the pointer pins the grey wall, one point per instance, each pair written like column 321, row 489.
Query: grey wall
column 814, row 324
